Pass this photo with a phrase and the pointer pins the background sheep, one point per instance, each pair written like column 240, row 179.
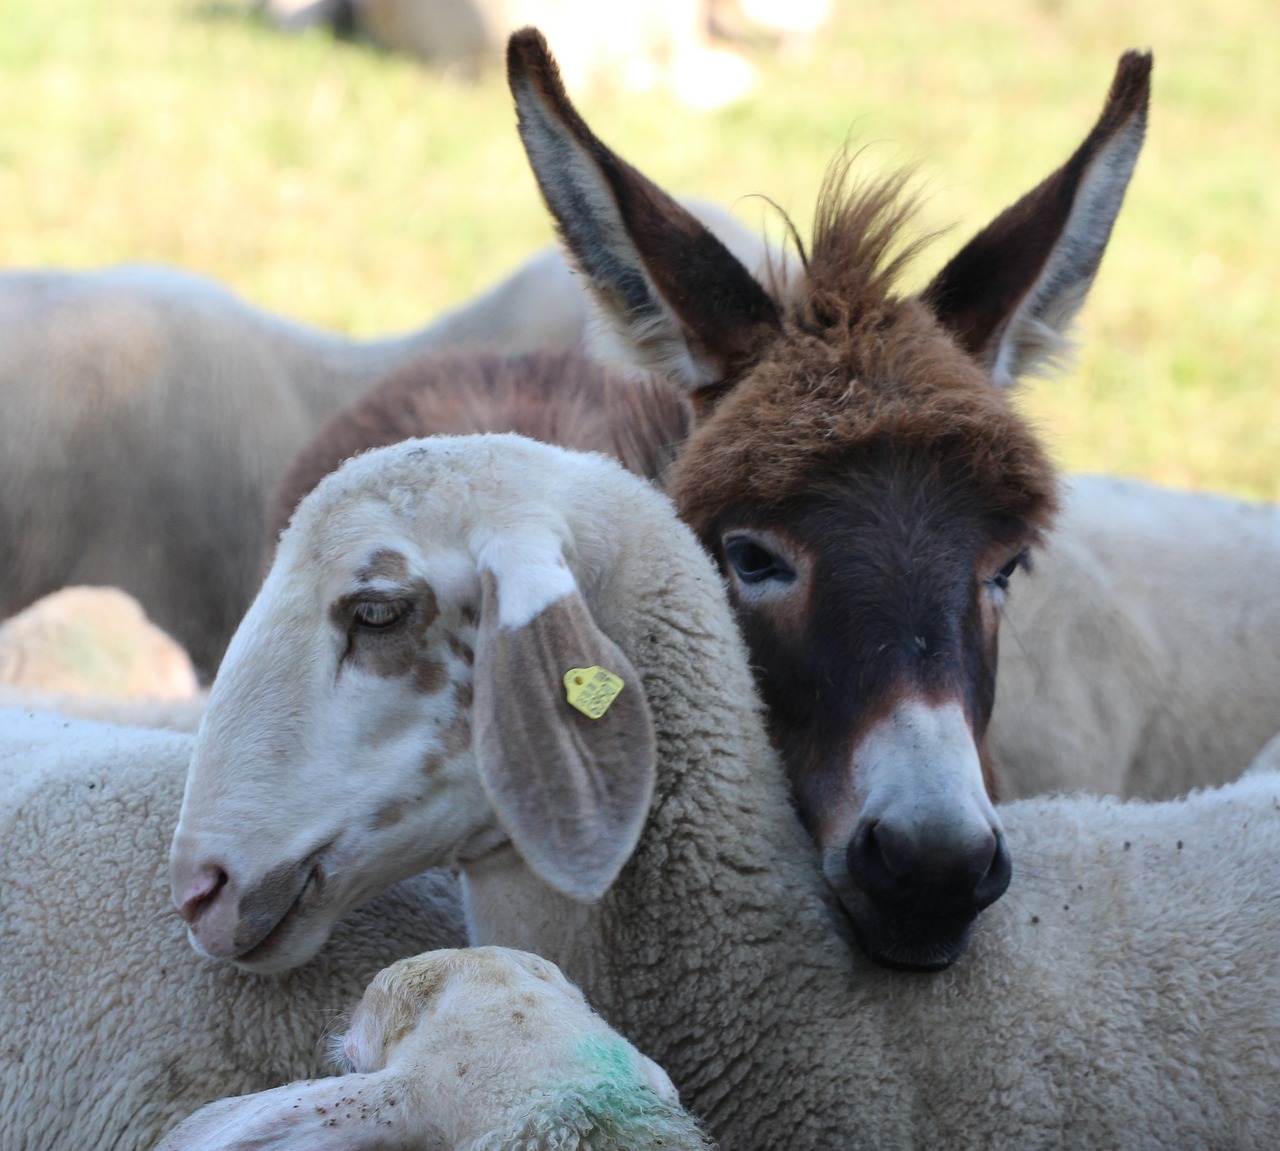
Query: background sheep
column 91, row 652
column 1140, row 655
column 1268, row 758
column 149, row 412
column 88, row 641
column 1124, row 993
column 113, row 1029
column 468, row 1050
column 638, row 45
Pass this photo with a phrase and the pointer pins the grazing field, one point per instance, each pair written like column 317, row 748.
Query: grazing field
column 354, row 190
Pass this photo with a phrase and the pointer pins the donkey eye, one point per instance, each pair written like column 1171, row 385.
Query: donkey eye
column 754, row 563
column 378, row 614
column 1001, row 578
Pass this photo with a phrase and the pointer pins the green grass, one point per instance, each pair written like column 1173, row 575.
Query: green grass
column 357, row 191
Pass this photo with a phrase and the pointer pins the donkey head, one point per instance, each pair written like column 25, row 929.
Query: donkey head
column 860, row 476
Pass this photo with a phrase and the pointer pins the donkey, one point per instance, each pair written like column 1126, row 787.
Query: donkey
column 858, row 473
column 855, row 469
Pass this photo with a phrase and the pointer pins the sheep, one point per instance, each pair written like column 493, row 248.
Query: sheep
column 148, row 412
column 86, row 641
column 112, row 1029
column 166, row 714
column 406, row 687
column 639, row 46
column 91, row 652
column 465, row 1050
column 1141, row 654
column 1135, row 662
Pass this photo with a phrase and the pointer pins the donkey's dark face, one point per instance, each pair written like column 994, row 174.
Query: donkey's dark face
column 857, row 469
column 870, row 606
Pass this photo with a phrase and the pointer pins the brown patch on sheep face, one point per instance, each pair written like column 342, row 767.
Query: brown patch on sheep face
column 388, row 815
column 456, row 737
column 386, row 624
column 264, row 906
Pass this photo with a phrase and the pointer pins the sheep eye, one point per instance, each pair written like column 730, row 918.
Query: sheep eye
column 753, row 563
column 379, row 614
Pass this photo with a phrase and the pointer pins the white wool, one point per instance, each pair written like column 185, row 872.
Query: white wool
column 468, row 1050
column 1141, row 655
column 113, row 1028
column 93, row 641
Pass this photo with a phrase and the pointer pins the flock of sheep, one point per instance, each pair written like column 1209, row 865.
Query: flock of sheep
column 395, row 803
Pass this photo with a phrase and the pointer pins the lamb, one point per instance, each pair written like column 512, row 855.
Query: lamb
column 465, row 1050
column 113, row 1030
column 148, row 412
column 406, row 686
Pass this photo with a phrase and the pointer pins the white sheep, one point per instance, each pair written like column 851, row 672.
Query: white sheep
column 93, row 641
column 166, row 714
column 1140, row 656
column 148, row 412
column 111, row 1028
column 471, row 1050
column 400, row 688
column 92, row 653
column 636, row 45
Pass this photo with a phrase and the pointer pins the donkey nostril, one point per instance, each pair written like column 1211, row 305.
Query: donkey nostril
column 200, row 893
column 995, row 882
column 869, row 864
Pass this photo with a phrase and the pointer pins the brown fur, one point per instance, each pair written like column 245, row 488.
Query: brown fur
column 860, row 370
column 557, row 397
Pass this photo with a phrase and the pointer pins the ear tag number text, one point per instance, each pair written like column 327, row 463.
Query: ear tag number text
column 591, row 689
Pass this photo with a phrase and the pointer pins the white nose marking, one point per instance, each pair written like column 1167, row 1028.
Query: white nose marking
column 920, row 765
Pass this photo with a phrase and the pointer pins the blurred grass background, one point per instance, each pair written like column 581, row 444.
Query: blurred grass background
column 357, row 191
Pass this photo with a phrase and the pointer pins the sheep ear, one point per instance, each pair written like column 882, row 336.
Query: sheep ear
column 572, row 791
column 680, row 303
column 1011, row 293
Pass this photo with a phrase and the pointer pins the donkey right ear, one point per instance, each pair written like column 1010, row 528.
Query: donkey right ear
column 571, row 783
column 681, row 304
column 1010, row 294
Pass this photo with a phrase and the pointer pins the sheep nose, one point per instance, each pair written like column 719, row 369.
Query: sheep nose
column 892, row 864
column 199, row 892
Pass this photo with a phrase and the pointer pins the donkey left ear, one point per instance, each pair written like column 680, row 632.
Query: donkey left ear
column 1010, row 294
column 680, row 304
column 572, row 791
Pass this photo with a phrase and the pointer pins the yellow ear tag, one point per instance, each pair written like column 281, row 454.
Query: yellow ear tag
column 591, row 690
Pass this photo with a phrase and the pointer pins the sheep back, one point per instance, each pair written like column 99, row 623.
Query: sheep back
column 113, row 1028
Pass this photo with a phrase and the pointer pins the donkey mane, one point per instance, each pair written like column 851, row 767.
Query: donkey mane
column 861, row 373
